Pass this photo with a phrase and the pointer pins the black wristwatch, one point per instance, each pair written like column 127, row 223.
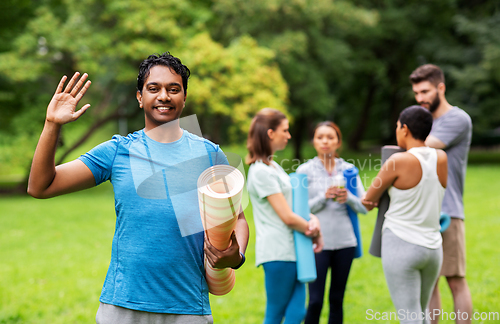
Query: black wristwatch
column 241, row 263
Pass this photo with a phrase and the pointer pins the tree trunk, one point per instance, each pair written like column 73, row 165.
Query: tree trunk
column 359, row 132
column 394, row 110
column 298, row 133
column 216, row 128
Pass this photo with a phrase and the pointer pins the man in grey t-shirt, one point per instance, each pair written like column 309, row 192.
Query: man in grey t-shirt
column 451, row 131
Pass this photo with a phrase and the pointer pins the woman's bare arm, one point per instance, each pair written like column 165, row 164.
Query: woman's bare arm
column 385, row 177
column 292, row 220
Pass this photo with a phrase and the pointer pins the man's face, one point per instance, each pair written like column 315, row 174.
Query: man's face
column 427, row 95
column 162, row 96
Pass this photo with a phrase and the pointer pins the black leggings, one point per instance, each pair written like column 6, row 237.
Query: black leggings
column 340, row 263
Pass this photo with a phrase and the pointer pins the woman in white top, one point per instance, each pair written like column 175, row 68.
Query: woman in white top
column 329, row 204
column 270, row 192
column 411, row 242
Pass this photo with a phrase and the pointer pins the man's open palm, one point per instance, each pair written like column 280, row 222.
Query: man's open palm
column 62, row 107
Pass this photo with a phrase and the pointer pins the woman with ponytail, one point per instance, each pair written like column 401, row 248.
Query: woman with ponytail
column 270, row 192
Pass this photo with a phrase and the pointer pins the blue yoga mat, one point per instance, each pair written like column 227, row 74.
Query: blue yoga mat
column 306, row 264
column 350, row 176
column 444, row 221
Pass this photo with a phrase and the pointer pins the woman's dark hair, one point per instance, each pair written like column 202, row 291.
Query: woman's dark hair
column 335, row 128
column 164, row 59
column 258, row 142
column 418, row 120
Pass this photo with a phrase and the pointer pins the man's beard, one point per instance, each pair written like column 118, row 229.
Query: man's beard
column 434, row 104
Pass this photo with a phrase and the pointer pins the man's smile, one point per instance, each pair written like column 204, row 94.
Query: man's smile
column 164, row 108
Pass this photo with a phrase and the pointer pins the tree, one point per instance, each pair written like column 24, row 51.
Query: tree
column 459, row 36
column 350, row 61
column 108, row 40
column 309, row 39
column 404, row 38
column 477, row 80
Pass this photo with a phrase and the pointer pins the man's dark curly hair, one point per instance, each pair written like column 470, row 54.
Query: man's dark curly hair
column 165, row 59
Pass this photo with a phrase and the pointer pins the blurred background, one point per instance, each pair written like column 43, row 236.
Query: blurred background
column 346, row 61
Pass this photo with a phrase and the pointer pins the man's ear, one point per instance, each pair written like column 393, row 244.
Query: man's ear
column 138, row 95
column 441, row 87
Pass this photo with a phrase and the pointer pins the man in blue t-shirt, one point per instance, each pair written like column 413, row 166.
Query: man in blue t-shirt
column 156, row 273
column 452, row 132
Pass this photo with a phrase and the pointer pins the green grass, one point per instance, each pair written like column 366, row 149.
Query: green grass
column 54, row 256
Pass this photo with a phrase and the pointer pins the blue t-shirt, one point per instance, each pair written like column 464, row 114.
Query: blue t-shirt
column 157, row 250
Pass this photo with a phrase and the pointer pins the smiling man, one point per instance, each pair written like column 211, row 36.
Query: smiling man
column 452, row 132
column 156, row 273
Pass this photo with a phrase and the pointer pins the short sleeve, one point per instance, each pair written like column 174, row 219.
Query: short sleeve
column 100, row 160
column 220, row 157
column 265, row 181
column 216, row 155
column 452, row 129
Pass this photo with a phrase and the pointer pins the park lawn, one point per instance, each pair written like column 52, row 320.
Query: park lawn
column 54, row 256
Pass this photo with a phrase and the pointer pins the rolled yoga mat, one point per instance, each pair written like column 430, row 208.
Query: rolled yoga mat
column 306, row 263
column 220, row 189
column 351, row 181
column 383, row 205
column 444, row 221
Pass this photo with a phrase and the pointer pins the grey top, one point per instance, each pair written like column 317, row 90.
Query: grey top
column 454, row 129
column 336, row 226
column 274, row 240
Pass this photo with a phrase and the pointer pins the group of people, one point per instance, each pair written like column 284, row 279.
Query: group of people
column 156, row 273
column 270, row 189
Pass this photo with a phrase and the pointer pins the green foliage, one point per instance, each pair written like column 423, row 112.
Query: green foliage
column 310, row 41
column 478, row 81
column 231, row 85
column 350, row 61
column 108, row 40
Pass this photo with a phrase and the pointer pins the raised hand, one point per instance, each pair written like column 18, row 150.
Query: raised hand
column 62, row 107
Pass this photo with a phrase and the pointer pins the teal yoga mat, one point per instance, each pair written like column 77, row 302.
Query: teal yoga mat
column 351, row 181
column 306, row 263
column 444, row 221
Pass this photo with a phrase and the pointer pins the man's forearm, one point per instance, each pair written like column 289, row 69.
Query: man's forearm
column 242, row 232
column 43, row 165
column 434, row 142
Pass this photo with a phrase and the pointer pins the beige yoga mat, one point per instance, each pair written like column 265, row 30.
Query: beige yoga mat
column 220, row 190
